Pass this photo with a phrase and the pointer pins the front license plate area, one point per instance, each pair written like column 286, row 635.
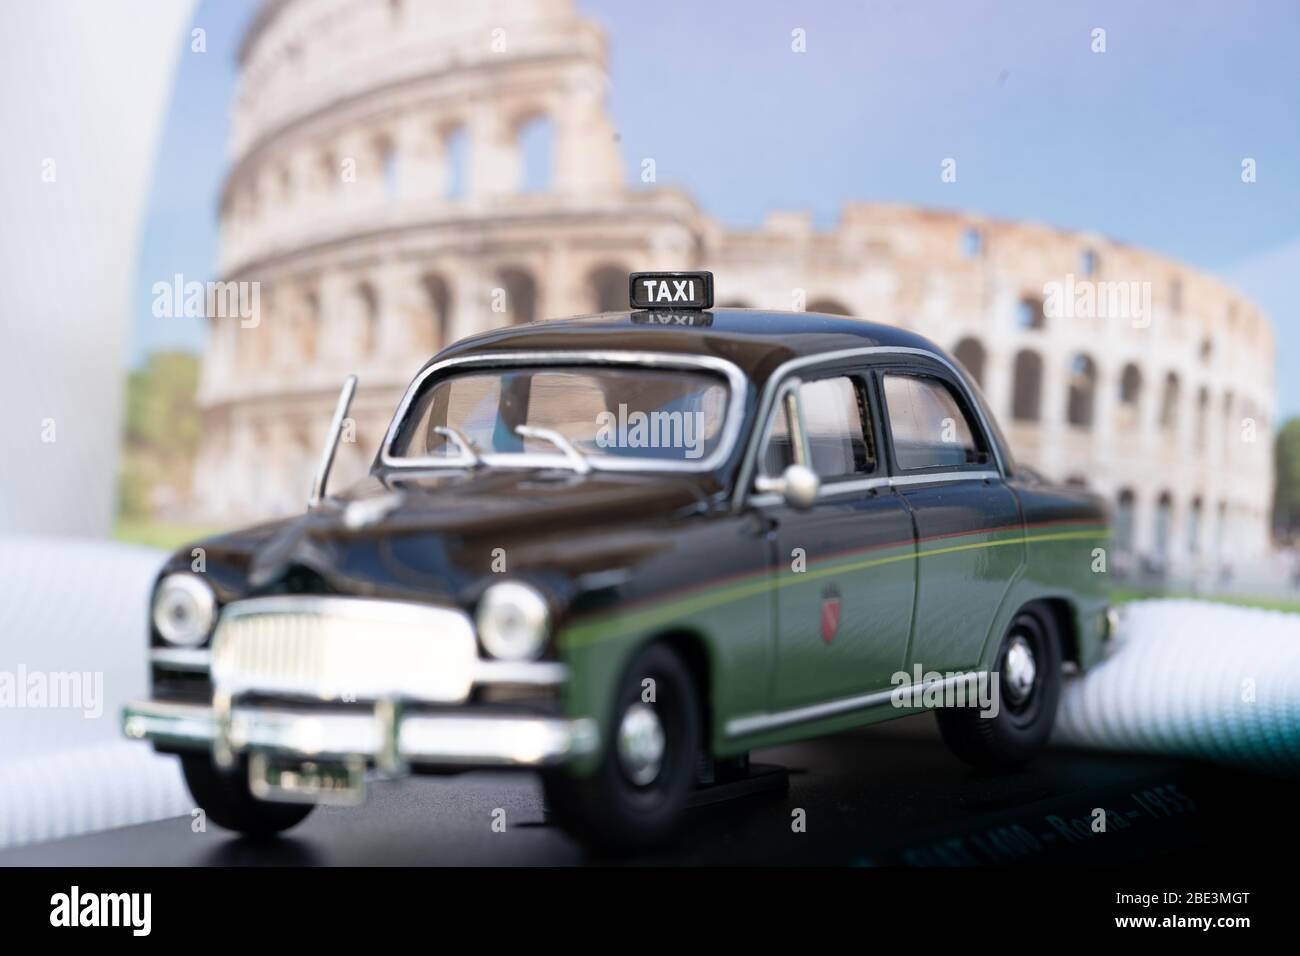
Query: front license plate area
column 335, row 783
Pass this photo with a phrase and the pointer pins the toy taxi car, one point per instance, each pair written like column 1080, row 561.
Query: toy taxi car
column 625, row 550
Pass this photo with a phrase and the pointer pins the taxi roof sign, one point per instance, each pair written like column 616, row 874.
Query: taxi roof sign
column 671, row 290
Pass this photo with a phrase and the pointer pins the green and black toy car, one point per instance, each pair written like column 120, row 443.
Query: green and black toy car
column 626, row 550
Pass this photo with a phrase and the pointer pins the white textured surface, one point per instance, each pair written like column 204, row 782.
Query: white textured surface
column 69, row 606
column 1194, row 679
column 48, row 796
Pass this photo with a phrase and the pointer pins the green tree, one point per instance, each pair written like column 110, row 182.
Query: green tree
column 1286, row 492
column 162, row 430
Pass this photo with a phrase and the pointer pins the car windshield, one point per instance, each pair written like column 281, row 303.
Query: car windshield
column 602, row 413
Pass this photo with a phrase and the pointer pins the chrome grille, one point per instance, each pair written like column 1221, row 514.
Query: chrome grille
column 343, row 649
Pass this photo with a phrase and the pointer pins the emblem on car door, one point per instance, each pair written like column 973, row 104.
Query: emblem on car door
column 830, row 613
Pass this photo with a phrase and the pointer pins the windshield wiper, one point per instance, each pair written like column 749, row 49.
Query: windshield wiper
column 464, row 444
column 577, row 461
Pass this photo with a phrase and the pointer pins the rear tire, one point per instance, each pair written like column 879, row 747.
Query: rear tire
column 1028, row 670
column 636, row 796
column 225, row 798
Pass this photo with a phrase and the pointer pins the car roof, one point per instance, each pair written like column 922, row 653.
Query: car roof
column 757, row 341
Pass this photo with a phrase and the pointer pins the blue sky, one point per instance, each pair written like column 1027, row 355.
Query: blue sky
column 1143, row 143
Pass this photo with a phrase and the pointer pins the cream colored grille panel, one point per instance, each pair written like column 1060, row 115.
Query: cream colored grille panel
column 344, row 649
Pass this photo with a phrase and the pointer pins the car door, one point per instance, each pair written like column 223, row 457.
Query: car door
column 969, row 527
column 843, row 567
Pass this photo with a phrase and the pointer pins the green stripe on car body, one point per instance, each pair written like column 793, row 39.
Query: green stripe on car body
column 707, row 596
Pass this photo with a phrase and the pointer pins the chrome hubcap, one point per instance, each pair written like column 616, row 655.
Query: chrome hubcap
column 1019, row 669
column 641, row 743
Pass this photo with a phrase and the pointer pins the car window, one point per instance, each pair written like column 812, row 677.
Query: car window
column 835, row 423
column 929, row 428
column 778, row 453
column 836, row 427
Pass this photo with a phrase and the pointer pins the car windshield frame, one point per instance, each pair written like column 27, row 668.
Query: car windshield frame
column 737, row 392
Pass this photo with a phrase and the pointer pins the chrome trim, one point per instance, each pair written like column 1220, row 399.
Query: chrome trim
column 737, row 383
column 520, row 673
column 798, row 439
column 187, row 659
column 459, row 740
column 346, row 394
column 303, row 646
column 166, row 722
column 744, row 478
column 755, row 723
column 487, row 673
column 900, row 481
column 829, row 490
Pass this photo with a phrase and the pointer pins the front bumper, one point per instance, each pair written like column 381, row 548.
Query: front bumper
column 384, row 736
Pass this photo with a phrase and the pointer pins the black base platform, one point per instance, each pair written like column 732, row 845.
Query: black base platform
column 888, row 794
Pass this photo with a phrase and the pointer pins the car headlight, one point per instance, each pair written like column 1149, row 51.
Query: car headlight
column 184, row 609
column 513, row 620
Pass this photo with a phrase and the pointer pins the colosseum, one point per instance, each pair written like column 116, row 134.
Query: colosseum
column 394, row 163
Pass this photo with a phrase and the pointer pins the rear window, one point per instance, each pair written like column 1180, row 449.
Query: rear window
column 930, row 429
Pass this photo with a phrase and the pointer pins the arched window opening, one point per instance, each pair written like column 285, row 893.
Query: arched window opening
column 1221, row 530
column 437, row 295
column 1194, row 527
column 1228, row 444
column 1130, row 395
column 972, row 243
column 1169, row 403
column 1202, row 416
column 1082, row 394
column 609, row 291
column 535, row 141
column 455, row 152
column 970, row 353
column 1027, row 387
column 1125, row 520
column 735, row 304
column 1088, row 262
column 1164, row 524
column 1029, row 313
column 328, row 172
column 386, row 153
column 360, row 315
column 305, row 328
column 521, row 295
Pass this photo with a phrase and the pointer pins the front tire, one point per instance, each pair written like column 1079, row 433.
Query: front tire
column 636, row 796
column 1028, row 669
column 225, row 798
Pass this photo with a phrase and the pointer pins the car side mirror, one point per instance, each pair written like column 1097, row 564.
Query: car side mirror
column 798, row 485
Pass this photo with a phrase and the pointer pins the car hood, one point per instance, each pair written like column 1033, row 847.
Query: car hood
column 440, row 536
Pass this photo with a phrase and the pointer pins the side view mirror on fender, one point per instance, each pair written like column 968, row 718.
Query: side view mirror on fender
column 798, row 485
